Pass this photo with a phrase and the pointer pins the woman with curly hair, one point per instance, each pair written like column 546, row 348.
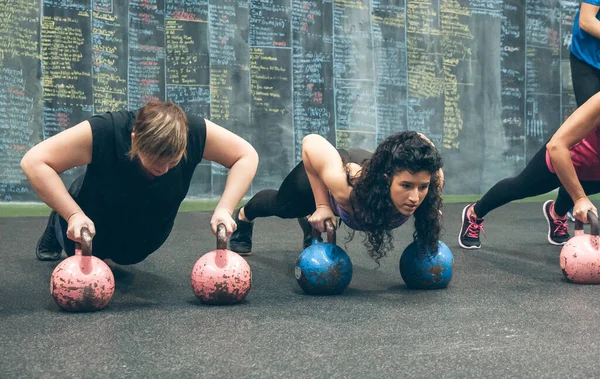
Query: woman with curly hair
column 373, row 193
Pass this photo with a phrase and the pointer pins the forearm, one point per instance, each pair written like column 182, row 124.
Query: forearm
column 50, row 189
column 563, row 165
column 591, row 26
column 319, row 189
column 238, row 181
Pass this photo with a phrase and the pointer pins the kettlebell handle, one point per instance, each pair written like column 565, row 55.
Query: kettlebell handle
column 86, row 246
column 593, row 219
column 221, row 237
column 330, row 232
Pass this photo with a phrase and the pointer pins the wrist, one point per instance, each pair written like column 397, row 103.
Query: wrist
column 224, row 209
column 68, row 218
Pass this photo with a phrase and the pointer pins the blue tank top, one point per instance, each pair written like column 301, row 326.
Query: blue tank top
column 585, row 46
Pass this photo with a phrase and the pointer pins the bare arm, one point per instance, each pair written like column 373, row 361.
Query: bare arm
column 587, row 19
column 581, row 123
column 46, row 160
column 326, row 174
column 235, row 153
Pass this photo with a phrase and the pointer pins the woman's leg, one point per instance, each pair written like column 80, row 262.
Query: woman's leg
column 535, row 179
column 294, row 199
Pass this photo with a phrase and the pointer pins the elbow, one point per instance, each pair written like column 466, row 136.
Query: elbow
column 249, row 158
column 253, row 159
column 583, row 25
column 31, row 162
column 586, row 25
column 308, row 140
column 27, row 162
column 553, row 147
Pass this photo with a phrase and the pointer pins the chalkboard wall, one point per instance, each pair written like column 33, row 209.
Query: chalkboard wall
column 487, row 80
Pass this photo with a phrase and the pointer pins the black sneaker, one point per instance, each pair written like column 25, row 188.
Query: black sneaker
column 240, row 241
column 48, row 248
column 469, row 232
column 307, row 230
column 558, row 228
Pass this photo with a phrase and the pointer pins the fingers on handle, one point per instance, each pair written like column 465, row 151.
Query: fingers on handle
column 221, row 237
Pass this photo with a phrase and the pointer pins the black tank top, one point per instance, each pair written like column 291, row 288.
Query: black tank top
column 132, row 213
column 354, row 155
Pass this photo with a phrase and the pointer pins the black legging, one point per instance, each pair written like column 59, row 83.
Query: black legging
column 535, row 179
column 294, row 198
column 586, row 80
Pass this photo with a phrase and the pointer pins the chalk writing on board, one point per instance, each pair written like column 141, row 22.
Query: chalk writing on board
column 455, row 42
column 468, row 73
column 270, row 23
column 391, row 80
column 103, row 6
column 108, row 59
column 16, row 122
column 66, row 64
column 187, row 63
column 512, row 79
column 271, row 102
column 20, row 30
column 146, row 52
column 354, row 96
column 229, row 75
column 542, row 102
column 312, row 63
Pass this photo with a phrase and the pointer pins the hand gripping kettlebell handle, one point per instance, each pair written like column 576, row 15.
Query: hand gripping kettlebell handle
column 86, row 246
column 593, row 219
column 221, row 237
column 330, row 232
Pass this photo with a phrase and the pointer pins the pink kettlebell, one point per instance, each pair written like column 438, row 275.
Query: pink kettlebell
column 82, row 283
column 221, row 276
column 580, row 256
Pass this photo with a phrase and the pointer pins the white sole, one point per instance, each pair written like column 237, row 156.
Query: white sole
column 549, row 227
column 460, row 231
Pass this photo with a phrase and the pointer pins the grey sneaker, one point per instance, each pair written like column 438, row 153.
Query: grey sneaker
column 468, row 237
column 558, row 228
column 240, row 241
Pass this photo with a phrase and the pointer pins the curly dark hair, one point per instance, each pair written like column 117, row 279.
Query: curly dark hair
column 370, row 195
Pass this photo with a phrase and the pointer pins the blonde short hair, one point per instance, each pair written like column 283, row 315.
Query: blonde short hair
column 161, row 130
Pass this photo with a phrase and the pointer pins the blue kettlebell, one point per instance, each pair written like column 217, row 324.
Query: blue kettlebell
column 426, row 270
column 324, row 268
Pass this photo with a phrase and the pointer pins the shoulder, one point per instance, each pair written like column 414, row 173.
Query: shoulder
column 111, row 133
column 196, row 125
column 112, row 120
column 196, row 137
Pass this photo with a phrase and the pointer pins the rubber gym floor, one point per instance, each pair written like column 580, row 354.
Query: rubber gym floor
column 508, row 312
